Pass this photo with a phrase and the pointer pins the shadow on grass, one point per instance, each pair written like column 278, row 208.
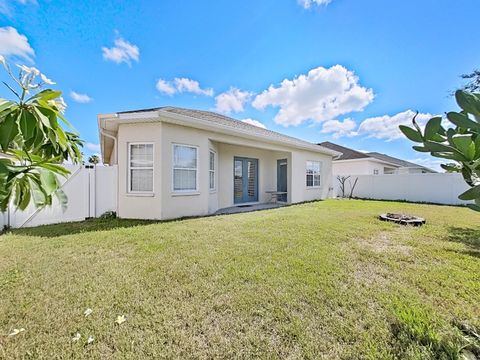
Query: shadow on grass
column 89, row 225
column 469, row 237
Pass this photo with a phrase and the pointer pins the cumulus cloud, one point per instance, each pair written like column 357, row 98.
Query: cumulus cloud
column 232, row 100
column 182, row 85
column 307, row 4
column 386, row 127
column 95, row 148
column 123, row 51
column 80, row 98
column 192, row 86
column 165, row 87
column 14, row 44
column 254, row 122
column 320, row 95
column 339, row 128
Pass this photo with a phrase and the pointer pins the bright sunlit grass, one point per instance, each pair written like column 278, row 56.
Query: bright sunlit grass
column 324, row 279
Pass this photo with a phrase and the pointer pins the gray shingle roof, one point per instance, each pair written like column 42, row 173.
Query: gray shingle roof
column 394, row 160
column 228, row 122
column 347, row 153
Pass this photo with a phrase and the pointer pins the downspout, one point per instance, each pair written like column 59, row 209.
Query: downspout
column 114, row 143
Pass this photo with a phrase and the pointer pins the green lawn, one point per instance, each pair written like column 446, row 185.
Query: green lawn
column 318, row 280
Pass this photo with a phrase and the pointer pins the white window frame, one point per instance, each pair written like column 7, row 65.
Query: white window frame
column 214, row 171
column 313, row 174
column 129, row 168
column 196, row 169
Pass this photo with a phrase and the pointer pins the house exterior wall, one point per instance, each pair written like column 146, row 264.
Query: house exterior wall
column 299, row 191
column 139, row 206
column 164, row 203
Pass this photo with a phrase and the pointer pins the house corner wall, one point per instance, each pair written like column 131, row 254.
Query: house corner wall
column 139, row 206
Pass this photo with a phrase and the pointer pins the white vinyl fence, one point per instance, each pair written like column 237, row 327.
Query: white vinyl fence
column 91, row 191
column 442, row 188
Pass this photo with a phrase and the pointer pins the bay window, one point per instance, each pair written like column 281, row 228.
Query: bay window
column 185, row 168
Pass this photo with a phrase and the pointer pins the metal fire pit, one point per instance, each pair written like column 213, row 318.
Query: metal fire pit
column 402, row 219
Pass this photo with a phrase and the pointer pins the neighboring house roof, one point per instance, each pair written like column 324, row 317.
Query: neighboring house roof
column 347, row 153
column 350, row 154
column 203, row 120
column 394, row 160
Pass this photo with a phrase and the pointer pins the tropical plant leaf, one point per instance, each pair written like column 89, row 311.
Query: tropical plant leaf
column 469, row 102
column 432, row 127
column 471, row 194
column 412, row 134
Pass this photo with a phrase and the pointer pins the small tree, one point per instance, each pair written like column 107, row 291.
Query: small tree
column 34, row 143
column 94, row 159
column 460, row 143
column 342, row 180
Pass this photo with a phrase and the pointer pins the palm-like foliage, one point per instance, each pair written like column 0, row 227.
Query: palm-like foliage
column 33, row 142
column 460, row 143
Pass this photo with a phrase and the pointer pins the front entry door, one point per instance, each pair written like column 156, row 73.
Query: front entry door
column 282, row 179
column 245, row 180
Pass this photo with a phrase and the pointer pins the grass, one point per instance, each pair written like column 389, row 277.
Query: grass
column 318, row 280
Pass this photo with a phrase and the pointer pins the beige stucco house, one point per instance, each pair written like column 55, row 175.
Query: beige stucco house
column 175, row 162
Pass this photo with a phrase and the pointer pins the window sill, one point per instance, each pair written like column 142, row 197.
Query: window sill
column 313, row 187
column 141, row 194
column 213, row 191
column 186, row 193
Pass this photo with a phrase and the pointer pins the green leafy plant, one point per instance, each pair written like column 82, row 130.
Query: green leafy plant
column 459, row 143
column 32, row 142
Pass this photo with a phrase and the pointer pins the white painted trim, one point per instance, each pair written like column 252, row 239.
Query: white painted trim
column 215, row 167
column 129, row 183
column 197, row 185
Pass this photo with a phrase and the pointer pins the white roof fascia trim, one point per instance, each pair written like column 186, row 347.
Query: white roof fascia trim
column 369, row 159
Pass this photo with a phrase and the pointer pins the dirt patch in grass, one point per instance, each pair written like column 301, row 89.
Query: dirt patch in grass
column 383, row 243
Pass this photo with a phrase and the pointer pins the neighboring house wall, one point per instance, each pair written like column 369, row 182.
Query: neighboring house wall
column 164, row 203
column 357, row 167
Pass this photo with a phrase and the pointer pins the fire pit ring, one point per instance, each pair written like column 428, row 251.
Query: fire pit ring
column 402, row 219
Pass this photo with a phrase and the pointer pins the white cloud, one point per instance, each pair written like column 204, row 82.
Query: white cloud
column 232, row 100
column 386, row 126
column 182, row 85
column 123, row 51
column 193, row 86
column 430, row 163
column 165, row 87
column 321, row 95
column 254, row 122
column 95, row 148
column 339, row 128
column 308, row 3
column 14, row 44
column 80, row 98
column 6, row 5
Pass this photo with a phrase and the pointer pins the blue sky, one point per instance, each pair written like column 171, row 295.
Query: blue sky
column 353, row 69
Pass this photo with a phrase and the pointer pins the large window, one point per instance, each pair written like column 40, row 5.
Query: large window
column 140, row 167
column 212, row 170
column 313, row 173
column 185, row 164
